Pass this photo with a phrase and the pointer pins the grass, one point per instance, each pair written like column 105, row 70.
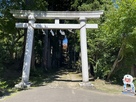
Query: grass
column 107, row 87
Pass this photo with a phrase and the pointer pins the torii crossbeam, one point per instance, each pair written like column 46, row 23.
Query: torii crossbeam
column 82, row 16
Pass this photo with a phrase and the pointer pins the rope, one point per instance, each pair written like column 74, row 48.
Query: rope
column 83, row 26
column 29, row 24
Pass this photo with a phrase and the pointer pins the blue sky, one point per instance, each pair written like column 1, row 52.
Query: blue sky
column 115, row 5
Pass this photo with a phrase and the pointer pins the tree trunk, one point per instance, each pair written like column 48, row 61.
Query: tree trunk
column 133, row 70
column 91, row 70
column 45, row 50
column 22, row 56
column 33, row 57
column 49, row 55
column 118, row 59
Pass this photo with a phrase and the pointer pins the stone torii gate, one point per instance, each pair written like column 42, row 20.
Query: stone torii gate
column 82, row 16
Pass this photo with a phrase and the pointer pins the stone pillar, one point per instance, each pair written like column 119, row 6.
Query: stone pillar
column 28, row 54
column 28, row 49
column 83, row 43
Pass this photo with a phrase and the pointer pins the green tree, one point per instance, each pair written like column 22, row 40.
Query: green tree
column 119, row 29
column 96, row 41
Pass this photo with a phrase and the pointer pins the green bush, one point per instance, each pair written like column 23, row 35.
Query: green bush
column 3, row 86
column 135, row 82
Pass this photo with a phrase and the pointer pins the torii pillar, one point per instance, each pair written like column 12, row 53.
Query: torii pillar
column 83, row 43
column 28, row 50
column 28, row 54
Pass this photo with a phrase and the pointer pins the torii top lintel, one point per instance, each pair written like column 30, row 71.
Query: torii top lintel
column 23, row 14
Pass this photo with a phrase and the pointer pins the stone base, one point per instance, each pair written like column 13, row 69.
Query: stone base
column 23, row 85
column 129, row 93
column 86, row 84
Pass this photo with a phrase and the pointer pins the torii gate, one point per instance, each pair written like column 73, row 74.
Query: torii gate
column 82, row 16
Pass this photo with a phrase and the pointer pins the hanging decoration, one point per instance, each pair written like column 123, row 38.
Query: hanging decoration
column 52, row 33
column 65, row 43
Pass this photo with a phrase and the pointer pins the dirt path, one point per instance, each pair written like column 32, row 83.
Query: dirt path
column 66, row 78
column 71, row 79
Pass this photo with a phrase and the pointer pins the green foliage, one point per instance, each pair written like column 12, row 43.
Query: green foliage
column 118, row 29
column 12, row 39
column 135, row 83
column 99, row 51
column 3, row 85
column 34, row 5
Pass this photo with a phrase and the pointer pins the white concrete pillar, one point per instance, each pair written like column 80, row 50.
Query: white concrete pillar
column 28, row 50
column 57, row 21
column 83, row 43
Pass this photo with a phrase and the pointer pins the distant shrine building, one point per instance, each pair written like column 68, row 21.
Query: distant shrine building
column 32, row 16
